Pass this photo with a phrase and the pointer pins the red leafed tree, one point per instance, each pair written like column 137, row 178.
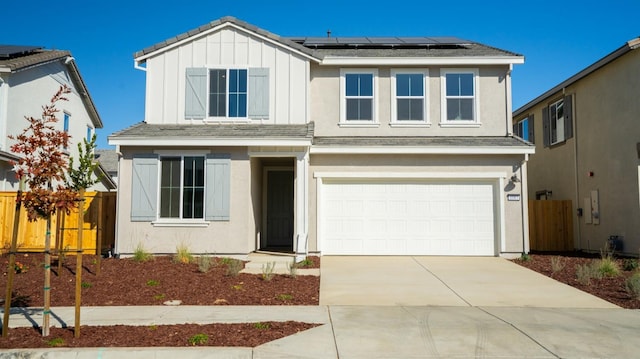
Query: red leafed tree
column 44, row 166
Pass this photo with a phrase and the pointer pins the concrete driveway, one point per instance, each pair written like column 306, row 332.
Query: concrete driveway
column 443, row 281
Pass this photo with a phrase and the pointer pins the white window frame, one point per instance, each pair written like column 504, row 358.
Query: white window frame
column 520, row 130
column 444, row 122
column 180, row 220
column 559, row 123
column 425, row 122
column 226, row 96
column 343, row 99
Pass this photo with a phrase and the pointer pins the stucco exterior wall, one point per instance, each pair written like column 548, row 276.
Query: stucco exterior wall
column 491, row 92
column 227, row 48
column 426, row 165
column 235, row 236
column 606, row 134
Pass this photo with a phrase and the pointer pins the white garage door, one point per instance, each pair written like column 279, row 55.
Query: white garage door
column 407, row 217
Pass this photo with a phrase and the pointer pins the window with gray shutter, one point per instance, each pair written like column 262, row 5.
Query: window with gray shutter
column 195, row 105
column 218, row 186
column 144, row 192
column 258, row 93
column 546, row 129
column 530, row 128
column 568, row 115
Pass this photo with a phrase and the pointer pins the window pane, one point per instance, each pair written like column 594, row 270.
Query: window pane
column 460, row 109
column 193, row 187
column 417, row 85
column 416, row 110
column 170, row 187
column 402, row 85
column 233, row 80
column 217, row 93
column 242, row 105
column 242, row 80
column 366, row 85
column 410, row 110
column 459, row 84
column 352, row 84
column 359, row 109
column 237, row 93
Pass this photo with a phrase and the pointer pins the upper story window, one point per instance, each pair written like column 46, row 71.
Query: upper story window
column 358, row 96
column 409, row 101
column 460, row 98
column 89, row 133
column 523, row 128
column 227, row 93
column 66, row 119
column 557, row 121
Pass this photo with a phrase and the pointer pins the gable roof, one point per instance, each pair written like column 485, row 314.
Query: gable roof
column 355, row 50
column 21, row 58
column 629, row 46
column 143, row 54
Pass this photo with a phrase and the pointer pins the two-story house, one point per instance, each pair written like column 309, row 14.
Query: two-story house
column 345, row 146
column 587, row 136
column 29, row 77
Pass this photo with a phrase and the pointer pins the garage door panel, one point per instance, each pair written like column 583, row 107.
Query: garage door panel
column 408, row 217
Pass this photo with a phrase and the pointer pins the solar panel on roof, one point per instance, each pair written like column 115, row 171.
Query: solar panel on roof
column 386, row 40
column 320, row 41
column 7, row 51
column 450, row 40
column 417, row 41
column 354, row 40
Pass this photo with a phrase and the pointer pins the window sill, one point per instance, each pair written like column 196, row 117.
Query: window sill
column 460, row 124
column 227, row 120
column 410, row 124
column 179, row 223
column 363, row 124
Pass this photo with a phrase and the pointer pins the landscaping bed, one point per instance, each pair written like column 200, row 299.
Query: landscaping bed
column 580, row 270
column 154, row 282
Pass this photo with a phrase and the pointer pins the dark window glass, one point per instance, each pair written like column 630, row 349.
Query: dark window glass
column 217, row 93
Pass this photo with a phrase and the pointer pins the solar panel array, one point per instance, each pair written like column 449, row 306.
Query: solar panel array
column 9, row 51
column 380, row 41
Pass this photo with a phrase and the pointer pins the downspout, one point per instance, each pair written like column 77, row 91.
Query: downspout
column 525, row 203
column 508, row 101
column 116, row 253
column 574, row 123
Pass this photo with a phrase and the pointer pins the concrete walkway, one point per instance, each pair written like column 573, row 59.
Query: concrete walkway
column 376, row 332
column 444, row 281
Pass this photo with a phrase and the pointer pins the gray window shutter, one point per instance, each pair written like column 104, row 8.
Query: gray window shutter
column 546, row 128
column 195, row 104
column 217, row 188
column 144, row 188
column 515, row 129
column 258, row 93
column 531, row 131
column 568, row 115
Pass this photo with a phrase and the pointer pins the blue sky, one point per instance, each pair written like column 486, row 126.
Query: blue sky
column 557, row 38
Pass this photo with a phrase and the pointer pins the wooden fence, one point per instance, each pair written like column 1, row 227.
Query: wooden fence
column 550, row 225
column 98, row 227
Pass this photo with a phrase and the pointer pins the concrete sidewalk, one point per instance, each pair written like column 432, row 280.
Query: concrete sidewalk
column 444, row 281
column 376, row 332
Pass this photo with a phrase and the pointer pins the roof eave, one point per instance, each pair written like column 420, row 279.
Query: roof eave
column 440, row 150
column 627, row 47
column 451, row 61
column 84, row 94
column 207, row 141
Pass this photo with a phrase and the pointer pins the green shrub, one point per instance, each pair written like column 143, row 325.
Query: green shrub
column 293, row 269
column 584, row 273
column 629, row 264
column 261, row 326
column 86, row 285
column 284, row 297
column 607, row 267
column 305, row 263
column 556, row 264
column 632, row 285
column 525, row 257
column 234, row 266
column 183, row 254
column 56, row 342
column 140, row 254
column 204, row 263
column 152, row 283
column 267, row 271
column 199, row 339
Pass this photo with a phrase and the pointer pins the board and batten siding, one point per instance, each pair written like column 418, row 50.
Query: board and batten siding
column 288, row 75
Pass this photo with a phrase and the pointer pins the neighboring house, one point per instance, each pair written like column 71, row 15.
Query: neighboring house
column 107, row 167
column 587, row 136
column 29, row 77
column 354, row 146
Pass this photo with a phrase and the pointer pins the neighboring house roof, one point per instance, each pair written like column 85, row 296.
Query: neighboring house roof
column 105, row 177
column 449, row 145
column 327, row 49
column 16, row 58
column 630, row 45
column 229, row 134
column 108, row 159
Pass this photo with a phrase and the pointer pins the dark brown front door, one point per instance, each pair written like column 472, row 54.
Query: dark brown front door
column 279, row 210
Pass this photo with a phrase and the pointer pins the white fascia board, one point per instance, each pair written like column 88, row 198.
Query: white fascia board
column 421, row 61
column 422, row 150
column 143, row 58
column 411, row 175
column 5, row 69
column 199, row 142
